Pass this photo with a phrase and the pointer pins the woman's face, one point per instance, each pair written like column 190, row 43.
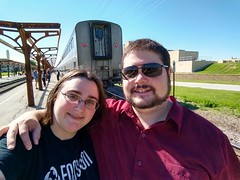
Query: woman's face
column 69, row 117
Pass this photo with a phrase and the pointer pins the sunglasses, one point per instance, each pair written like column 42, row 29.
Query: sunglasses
column 149, row 70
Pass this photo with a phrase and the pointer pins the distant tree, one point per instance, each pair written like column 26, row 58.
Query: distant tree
column 33, row 63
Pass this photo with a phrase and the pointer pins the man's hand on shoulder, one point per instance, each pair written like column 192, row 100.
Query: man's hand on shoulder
column 27, row 122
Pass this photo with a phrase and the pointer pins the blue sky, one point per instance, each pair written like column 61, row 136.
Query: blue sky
column 211, row 27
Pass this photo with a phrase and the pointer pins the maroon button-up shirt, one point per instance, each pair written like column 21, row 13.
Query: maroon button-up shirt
column 184, row 146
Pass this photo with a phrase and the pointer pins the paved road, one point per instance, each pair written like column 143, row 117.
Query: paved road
column 210, row 86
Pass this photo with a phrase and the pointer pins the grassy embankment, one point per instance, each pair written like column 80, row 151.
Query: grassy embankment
column 222, row 68
column 228, row 69
column 220, row 100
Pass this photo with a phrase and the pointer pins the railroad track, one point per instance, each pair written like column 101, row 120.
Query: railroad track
column 6, row 86
column 236, row 148
column 114, row 93
column 117, row 93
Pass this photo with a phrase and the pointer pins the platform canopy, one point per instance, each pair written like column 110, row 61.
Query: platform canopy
column 9, row 61
column 28, row 38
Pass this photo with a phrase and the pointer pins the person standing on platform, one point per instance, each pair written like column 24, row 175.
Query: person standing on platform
column 48, row 75
column 35, row 77
column 43, row 77
column 58, row 75
column 150, row 135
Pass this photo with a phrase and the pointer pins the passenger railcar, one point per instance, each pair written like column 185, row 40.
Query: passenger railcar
column 96, row 46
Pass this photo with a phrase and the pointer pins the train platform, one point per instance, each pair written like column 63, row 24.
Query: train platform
column 13, row 103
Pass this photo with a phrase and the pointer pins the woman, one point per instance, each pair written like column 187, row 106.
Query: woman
column 65, row 150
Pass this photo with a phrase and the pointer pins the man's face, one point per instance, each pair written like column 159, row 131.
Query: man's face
column 145, row 92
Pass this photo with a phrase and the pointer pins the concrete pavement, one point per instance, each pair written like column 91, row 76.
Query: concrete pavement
column 227, row 87
column 14, row 102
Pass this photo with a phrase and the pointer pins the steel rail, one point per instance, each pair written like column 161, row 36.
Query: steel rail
column 236, row 148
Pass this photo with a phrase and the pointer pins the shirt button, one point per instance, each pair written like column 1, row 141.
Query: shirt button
column 139, row 163
column 143, row 135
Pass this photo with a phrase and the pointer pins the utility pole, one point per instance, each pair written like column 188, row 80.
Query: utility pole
column 174, row 68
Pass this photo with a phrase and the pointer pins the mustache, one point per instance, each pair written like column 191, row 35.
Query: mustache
column 142, row 86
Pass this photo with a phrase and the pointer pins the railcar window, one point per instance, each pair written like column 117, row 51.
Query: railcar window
column 99, row 33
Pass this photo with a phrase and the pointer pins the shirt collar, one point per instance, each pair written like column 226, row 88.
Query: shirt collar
column 175, row 114
column 127, row 108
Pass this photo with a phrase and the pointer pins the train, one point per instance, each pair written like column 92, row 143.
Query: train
column 97, row 46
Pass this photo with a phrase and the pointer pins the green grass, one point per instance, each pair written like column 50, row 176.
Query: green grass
column 10, row 73
column 222, row 68
column 220, row 100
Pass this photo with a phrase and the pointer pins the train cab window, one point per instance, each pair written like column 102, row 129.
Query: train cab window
column 101, row 41
column 99, row 33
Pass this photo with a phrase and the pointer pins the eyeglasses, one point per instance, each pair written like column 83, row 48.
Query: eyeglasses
column 73, row 98
column 149, row 70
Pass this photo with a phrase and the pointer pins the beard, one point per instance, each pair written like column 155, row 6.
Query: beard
column 148, row 102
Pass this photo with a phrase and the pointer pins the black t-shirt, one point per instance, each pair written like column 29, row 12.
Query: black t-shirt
column 51, row 159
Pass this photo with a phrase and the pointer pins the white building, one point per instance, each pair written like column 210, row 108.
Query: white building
column 187, row 61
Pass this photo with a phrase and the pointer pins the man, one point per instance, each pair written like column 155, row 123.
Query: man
column 151, row 136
